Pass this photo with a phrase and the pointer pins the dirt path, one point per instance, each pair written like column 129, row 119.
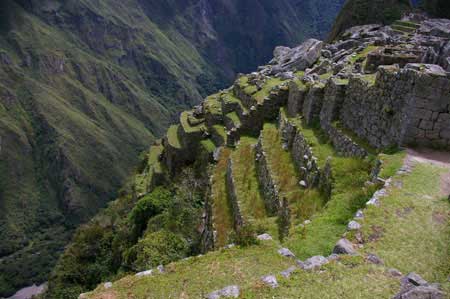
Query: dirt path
column 434, row 157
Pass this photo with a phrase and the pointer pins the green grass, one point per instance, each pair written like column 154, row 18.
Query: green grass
column 223, row 220
column 410, row 231
column 407, row 24
column 172, row 136
column 187, row 127
column 234, row 117
column 246, row 180
column 402, row 28
column 391, row 163
column 213, row 105
column 196, row 277
column 208, row 145
column 363, row 54
column 220, row 131
column 351, row 278
column 265, row 91
column 228, row 97
column 302, row 203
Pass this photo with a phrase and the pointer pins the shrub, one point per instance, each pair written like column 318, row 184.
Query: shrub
column 157, row 248
column 146, row 208
column 245, row 236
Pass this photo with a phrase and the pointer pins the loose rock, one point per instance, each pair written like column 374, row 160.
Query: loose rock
column 270, row 280
column 227, row 292
column 344, row 246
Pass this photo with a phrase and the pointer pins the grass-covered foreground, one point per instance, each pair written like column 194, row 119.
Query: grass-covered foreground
column 409, row 231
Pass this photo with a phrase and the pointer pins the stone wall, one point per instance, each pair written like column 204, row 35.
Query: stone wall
column 297, row 95
column 232, row 197
column 407, row 106
column 266, row 182
column 428, row 110
column 313, row 103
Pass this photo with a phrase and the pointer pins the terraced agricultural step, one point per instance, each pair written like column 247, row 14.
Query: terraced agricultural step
column 222, row 214
column 246, row 187
column 281, row 170
column 153, row 173
column 403, row 28
column 407, row 24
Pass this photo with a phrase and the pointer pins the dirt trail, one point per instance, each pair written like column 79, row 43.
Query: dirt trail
column 434, row 157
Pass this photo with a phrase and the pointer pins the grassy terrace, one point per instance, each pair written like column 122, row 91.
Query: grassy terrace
column 197, row 125
column 143, row 179
column 411, row 230
column 172, row 136
column 223, row 220
column 234, row 117
column 198, row 276
column 230, row 98
column 244, row 172
column 303, row 203
column 220, row 130
column 363, row 54
column 208, row 145
column 349, row 194
column 213, row 105
column 248, row 88
column 265, row 91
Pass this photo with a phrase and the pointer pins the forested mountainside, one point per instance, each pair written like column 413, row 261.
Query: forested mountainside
column 361, row 12
column 323, row 174
column 85, row 86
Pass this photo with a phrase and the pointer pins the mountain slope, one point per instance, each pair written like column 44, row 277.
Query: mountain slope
column 85, row 86
column 362, row 12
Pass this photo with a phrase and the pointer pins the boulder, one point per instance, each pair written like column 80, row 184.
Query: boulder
column 286, row 252
column 298, row 58
column 107, row 285
column 353, row 225
column 344, row 246
column 374, row 259
column 313, row 263
column 270, row 280
column 264, row 237
column 227, row 292
column 413, row 286
column 287, row 273
column 145, row 273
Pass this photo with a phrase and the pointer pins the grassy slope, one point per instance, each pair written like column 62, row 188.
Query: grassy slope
column 418, row 241
column 223, row 220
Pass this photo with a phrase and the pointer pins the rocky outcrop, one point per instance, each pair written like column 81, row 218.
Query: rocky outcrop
column 413, row 286
column 299, row 58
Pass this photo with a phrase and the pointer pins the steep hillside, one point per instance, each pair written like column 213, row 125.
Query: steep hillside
column 86, row 86
column 362, row 12
column 296, row 167
column 439, row 8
